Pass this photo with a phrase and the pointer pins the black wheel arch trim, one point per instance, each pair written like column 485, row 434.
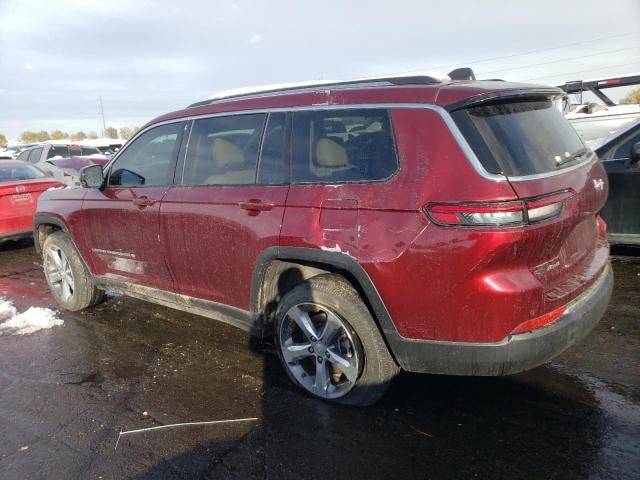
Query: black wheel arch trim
column 48, row 220
column 334, row 260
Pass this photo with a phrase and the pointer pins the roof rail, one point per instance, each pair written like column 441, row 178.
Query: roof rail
column 249, row 92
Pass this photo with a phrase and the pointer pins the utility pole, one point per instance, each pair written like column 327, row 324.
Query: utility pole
column 104, row 125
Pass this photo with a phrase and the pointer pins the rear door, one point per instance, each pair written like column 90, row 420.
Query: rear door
column 533, row 145
column 119, row 224
column 227, row 205
column 622, row 211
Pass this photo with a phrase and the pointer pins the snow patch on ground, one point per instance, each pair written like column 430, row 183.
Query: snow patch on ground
column 33, row 320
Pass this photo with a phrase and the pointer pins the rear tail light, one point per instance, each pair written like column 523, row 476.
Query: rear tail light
column 497, row 214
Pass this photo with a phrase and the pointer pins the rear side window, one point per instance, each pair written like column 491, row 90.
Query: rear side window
column 224, row 150
column 148, row 160
column 338, row 146
column 60, row 151
column 89, row 150
column 520, row 138
column 34, row 155
column 24, row 156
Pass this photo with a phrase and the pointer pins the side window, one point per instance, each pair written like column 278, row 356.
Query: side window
column 273, row 166
column 223, row 150
column 624, row 149
column 89, row 150
column 24, row 156
column 147, row 161
column 74, row 151
column 342, row 146
column 58, row 151
column 34, row 155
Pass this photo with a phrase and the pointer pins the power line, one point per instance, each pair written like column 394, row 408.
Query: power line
column 529, row 52
column 582, row 71
column 559, row 60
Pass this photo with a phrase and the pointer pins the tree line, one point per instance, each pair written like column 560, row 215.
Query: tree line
column 29, row 136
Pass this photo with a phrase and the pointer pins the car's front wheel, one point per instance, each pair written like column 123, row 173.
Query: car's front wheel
column 69, row 279
column 330, row 345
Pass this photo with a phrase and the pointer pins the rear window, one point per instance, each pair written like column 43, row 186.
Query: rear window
column 58, row 151
column 9, row 173
column 520, row 138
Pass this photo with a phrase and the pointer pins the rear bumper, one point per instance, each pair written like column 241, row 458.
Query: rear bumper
column 514, row 354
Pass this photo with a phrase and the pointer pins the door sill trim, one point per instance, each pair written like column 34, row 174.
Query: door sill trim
column 217, row 311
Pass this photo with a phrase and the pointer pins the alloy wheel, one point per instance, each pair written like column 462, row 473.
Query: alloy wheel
column 59, row 274
column 319, row 350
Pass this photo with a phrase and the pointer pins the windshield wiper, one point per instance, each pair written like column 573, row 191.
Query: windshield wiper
column 574, row 156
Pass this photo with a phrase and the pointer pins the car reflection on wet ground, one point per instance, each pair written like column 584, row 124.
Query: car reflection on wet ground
column 66, row 393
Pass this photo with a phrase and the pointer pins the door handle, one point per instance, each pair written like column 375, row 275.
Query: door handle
column 255, row 206
column 144, row 202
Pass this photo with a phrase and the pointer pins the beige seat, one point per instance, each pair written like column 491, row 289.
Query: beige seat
column 229, row 160
column 331, row 157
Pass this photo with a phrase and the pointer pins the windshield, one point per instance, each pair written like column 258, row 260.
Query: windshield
column 521, row 137
column 10, row 173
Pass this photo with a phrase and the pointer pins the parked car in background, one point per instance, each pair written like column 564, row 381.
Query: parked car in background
column 21, row 185
column 106, row 146
column 14, row 150
column 620, row 154
column 53, row 159
column 371, row 226
column 67, row 170
column 44, row 151
column 597, row 120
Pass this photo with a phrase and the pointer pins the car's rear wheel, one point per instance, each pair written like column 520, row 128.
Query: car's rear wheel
column 329, row 343
column 69, row 279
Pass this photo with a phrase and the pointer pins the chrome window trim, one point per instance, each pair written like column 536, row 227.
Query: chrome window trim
column 444, row 114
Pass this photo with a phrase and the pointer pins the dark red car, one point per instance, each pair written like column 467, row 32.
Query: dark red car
column 442, row 227
column 20, row 187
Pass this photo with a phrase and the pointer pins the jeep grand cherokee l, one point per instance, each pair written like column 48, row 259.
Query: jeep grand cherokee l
column 447, row 227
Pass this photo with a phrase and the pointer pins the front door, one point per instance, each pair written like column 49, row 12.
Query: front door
column 227, row 205
column 120, row 222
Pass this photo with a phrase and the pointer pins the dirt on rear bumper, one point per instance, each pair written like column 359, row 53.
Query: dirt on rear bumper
column 514, row 354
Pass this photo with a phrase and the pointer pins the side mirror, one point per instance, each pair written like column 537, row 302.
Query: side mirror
column 635, row 154
column 92, row 176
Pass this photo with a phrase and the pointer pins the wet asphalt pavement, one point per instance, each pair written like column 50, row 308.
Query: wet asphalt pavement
column 66, row 393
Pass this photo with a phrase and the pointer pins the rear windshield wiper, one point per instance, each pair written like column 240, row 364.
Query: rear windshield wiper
column 574, row 156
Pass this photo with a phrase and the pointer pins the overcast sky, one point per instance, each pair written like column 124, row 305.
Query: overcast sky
column 149, row 57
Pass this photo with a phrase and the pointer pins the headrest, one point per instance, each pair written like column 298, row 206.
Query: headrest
column 226, row 154
column 330, row 154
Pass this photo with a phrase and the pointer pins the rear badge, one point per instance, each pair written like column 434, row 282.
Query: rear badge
column 20, row 189
column 598, row 184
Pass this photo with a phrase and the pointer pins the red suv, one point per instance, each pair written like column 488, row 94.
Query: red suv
column 442, row 227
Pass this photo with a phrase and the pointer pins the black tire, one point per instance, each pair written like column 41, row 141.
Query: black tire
column 378, row 369
column 84, row 293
